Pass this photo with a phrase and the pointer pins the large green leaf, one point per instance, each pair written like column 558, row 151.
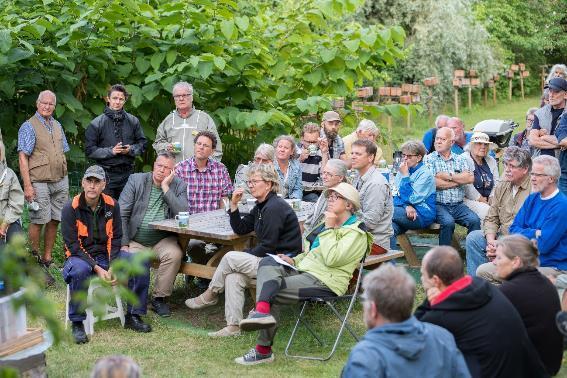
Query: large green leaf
column 227, row 28
column 156, row 60
column 5, row 40
column 142, row 64
column 16, row 54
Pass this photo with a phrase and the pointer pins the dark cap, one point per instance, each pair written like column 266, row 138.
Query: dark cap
column 95, row 171
column 558, row 84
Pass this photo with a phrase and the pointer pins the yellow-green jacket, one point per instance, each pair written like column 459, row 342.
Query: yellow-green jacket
column 336, row 257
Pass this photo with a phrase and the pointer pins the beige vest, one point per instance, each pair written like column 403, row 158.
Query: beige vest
column 47, row 162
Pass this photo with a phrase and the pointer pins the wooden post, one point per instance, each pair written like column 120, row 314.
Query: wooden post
column 509, row 89
column 470, row 97
column 494, row 94
column 430, row 95
column 456, row 102
column 389, row 123
column 485, row 96
column 542, row 78
column 522, row 84
column 408, row 124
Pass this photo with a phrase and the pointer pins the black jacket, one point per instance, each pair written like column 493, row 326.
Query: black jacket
column 275, row 224
column 102, row 135
column 488, row 331
column 537, row 302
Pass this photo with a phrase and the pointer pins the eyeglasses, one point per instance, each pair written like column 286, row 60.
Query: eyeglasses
column 252, row 183
column 46, row 103
column 259, row 160
column 407, row 156
column 538, row 174
column 334, row 196
column 529, row 120
column 441, row 139
column 325, row 173
column 182, row 96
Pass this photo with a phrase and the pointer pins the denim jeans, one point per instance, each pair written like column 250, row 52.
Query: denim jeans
column 476, row 251
column 563, row 183
column 449, row 214
column 401, row 223
column 310, row 196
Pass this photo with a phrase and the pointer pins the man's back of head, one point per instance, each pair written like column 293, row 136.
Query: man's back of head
column 445, row 263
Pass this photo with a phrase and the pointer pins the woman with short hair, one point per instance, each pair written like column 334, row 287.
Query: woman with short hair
column 414, row 205
column 288, row 168
column 265, row 154
column 277, row 231
column 533, row 295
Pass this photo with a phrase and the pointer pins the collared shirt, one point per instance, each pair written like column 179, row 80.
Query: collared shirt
column 26, row 135
column 455, row 164
column 336, row 146
column 204, row 188
column 504, row 205
column 290, row 182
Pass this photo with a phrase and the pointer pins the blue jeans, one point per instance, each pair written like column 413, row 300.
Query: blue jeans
column 76, row 272
column 476, row 251
column 563, row 183
column 310, row 196
column 449, row 214
column 401, row 223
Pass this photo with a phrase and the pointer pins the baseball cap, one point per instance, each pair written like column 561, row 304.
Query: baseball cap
column 479, row 137
column 95, row 171
column 558, row 84
column 331, row 116
column 347, row 191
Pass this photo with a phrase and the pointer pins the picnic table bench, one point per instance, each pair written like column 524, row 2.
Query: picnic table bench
column 407, row 247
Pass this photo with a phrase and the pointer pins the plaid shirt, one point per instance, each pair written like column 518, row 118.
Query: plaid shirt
column 204, row 189
column 455, row 164
column 26, row 136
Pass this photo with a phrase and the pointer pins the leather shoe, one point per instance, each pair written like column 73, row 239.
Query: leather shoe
column 79, row 334
column 160, row 307
column 136, row 323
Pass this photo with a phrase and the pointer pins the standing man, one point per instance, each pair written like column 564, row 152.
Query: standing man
column 452, row 173
column 461, row 137
column 366, row 130
column 561, row 134
column 313, row 156
column 114, row 139
column 152, row 197
column 375, row 196
column 177, row 131
column 41, row 151
column 207, row 179
column 542, row 135
column 92, row 233
column 330, row 133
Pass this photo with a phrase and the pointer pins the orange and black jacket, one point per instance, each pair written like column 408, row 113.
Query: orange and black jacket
column 87, row 234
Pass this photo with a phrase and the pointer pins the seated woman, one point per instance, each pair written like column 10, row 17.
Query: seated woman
column 331, row 254
column 333, row 173
column 288, row 168
column 265, row 154
column 486, row 174
column 414, row 206
column 11, row 201
column 277, row 231
column 533, row 295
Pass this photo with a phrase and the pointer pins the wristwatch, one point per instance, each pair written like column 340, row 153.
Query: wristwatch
column 450, row 176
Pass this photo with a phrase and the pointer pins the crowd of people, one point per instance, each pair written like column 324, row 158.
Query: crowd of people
column 498, row 319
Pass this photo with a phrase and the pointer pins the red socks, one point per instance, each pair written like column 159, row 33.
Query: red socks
column 263, row 349
column 263, row 307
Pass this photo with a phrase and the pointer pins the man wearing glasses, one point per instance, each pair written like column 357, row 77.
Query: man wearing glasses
column 542, row 219
column 153, row 197
column 177, row 131
column 509, row 196
column 314, row 153
column 114, row 139
column 41, row 149
column 521, row 139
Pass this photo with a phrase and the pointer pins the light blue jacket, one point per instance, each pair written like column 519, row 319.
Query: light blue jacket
column 418, row 190
column 407, row 349
column 292, row 186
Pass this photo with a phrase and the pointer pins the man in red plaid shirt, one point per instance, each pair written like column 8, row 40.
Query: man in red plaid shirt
column 208, row 181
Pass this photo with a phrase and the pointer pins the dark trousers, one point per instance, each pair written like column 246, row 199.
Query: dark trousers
column 77, row 272
column 279, row 285
column 13, row 230
column 449, row 214
column 117, row 178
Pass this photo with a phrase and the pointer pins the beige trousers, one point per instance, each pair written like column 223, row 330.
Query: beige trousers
column 233, row 276
column 169, row 254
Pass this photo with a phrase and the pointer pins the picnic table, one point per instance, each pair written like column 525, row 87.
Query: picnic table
column 214, row 227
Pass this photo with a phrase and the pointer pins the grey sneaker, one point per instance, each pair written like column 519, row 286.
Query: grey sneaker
column 257, row 320
column 254, row 358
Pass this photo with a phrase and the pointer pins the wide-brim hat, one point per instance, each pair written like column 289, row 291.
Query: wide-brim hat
column 347, row 191
column 479, row 137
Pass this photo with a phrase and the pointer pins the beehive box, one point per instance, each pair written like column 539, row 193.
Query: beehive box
column 457, row 82
column 406, row 99
column 525, row 73
column 473, row 73
column 475, row 81
column 364, row 92
column 514, row 67
column 459, row 73
column 395, row 91
column 384, row 91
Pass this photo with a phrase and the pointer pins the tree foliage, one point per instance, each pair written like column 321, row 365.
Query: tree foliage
column 257, row 66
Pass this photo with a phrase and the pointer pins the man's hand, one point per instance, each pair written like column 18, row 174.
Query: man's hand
column 411, row 213
column 3, row 229
column 29, row 193
column 287, row 259
column 490, row 249
column 483, row 199
column 125, row 248
column 324, row 145
column 103, row 274
column 126, row 149
column 331, row 220
column 117, row 149
column 167, row 181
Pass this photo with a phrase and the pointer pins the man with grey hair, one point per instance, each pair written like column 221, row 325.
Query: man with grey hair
column 177, row 131
column 429, row 136
column 397, row 344
column 521, row 139
column 542, row 219
column 509, row 196
column 366, row 130
column 41, row 150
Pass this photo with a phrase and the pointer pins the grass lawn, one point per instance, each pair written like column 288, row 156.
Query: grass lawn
column 179, row 346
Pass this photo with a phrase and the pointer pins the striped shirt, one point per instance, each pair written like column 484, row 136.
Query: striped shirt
column 311, row 170
column 155, row 212
column 455, row 164
column 204, row 188
column 26, row 135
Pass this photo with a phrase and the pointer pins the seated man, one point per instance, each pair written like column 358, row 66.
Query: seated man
column 151, row 197
column 332, row 253
column 375, row 195
column 366, row 130
column 397, row 344
column 314, row 153
column 452, row 173
column 541, row 218
column 509, row 196
column 486, row 326
column 92, row 233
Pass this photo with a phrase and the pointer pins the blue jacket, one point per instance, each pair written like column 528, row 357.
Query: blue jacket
column 291, row 186
column 548, row 216
column 418, row 190
column 407, row 349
